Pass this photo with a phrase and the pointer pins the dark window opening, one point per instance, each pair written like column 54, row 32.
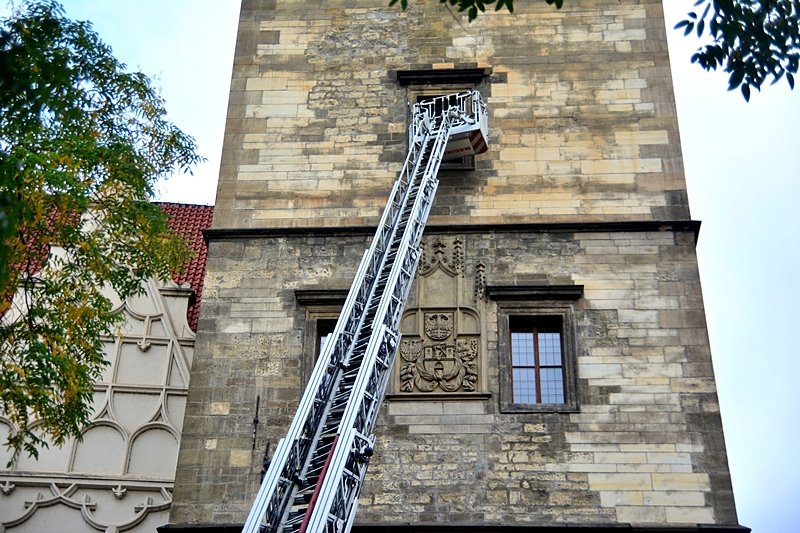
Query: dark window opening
column 325, row 329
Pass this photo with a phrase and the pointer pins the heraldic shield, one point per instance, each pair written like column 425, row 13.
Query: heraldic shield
column 440, row 360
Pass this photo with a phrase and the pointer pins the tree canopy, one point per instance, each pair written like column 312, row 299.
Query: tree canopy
column 82, row 144
column 753, row 41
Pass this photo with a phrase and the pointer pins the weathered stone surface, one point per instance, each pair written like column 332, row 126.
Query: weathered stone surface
column 635, row 450
column 580, row 106
column 582, row 185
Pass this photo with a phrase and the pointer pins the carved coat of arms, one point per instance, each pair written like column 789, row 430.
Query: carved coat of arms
column 439, row 360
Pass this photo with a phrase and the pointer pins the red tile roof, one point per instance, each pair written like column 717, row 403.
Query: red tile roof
column 190, row 221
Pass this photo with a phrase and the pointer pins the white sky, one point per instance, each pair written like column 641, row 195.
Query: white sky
column 742, row 165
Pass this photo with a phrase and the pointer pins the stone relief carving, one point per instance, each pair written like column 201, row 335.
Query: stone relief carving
column 434, row 255
column 439, row 360
column 480, row 280
column 438, row 326
column 440, row 350
column 46, row 506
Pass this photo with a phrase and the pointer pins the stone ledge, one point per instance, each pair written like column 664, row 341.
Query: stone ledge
column 472, row 528
column 202, row 528
column 692, row 226
column 438, row 396
column 441, row 76
column 582, row 528
column 534, row 292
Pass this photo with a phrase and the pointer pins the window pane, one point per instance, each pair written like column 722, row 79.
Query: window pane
column 521, row 349
column 325, row 329
column 524, row 385
column 552, row 385
column 550, row 348
column 323, row 340
column 537, row 359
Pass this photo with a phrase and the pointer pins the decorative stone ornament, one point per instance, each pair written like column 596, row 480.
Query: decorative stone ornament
column 440, row 360
column 438, row 326
column 440, row 349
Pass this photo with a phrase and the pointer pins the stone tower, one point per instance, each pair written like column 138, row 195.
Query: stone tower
column 555, row 368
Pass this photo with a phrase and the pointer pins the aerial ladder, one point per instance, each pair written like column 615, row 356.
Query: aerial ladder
column 317, row 471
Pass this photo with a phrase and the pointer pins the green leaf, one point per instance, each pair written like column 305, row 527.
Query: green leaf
column 735, row 79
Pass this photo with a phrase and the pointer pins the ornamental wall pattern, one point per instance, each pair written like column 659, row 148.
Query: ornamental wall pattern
column 120, row 476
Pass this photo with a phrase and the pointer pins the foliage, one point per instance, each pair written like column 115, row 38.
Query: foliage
column 472, row 7
column 751, row 40
column 82, row 144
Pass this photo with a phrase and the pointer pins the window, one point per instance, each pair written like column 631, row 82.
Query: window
column 318, row 311
column 536, row 346
column 537, row 363
column 324, row 330
column 427, row 84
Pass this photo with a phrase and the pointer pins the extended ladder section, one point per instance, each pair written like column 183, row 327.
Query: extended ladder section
column 316, row 474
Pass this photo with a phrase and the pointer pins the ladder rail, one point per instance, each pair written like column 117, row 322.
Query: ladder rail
column 359, row 419
column 290, row 454
column 357, row 390
column 380, row 286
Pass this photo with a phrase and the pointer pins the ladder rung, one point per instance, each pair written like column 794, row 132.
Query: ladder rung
column 321, row 427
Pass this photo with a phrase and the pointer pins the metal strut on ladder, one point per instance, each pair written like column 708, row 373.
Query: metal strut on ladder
column 318, row 468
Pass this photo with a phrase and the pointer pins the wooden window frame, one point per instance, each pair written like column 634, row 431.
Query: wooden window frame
column 536, row 325
column 555, row 303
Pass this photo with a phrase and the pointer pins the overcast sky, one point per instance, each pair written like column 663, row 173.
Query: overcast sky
column 742, row 163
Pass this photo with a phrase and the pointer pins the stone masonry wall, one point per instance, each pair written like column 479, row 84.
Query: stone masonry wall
column 644, row 447
column 582, row 118
column 582, row 186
